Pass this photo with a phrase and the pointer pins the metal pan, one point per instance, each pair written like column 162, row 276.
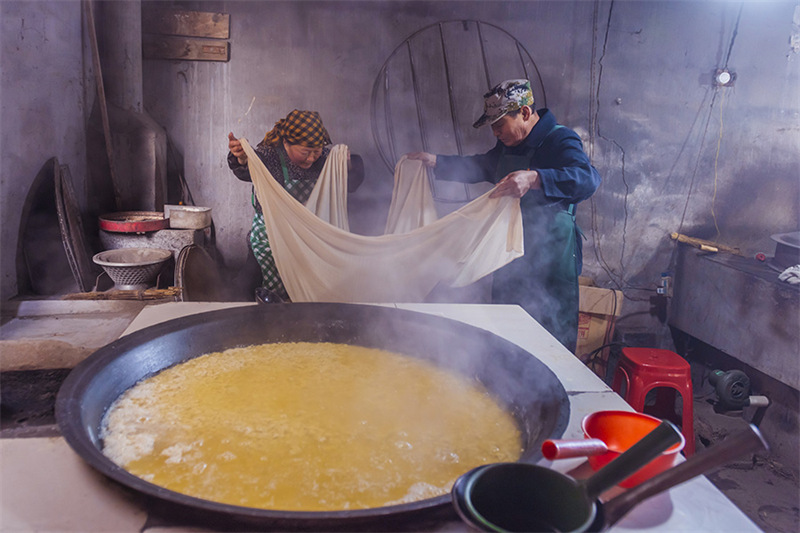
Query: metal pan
column 511, row 497
column 528, row 388
column 573, row 517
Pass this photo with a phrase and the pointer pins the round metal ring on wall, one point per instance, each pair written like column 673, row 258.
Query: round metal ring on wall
column 427, row 94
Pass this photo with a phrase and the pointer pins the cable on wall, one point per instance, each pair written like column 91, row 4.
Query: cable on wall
column 595, row 132
column 618, row 279
column 716, row 161
column 721, row 92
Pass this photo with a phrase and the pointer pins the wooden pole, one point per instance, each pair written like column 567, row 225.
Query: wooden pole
column 146, row 294
column 704, row 245
column 102, row 103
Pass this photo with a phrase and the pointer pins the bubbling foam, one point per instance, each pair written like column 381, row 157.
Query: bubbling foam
column 307, row 427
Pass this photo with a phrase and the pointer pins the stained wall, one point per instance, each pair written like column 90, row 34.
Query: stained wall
column 635, row 79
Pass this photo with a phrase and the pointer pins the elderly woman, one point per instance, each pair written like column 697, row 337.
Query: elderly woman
column 294, row 152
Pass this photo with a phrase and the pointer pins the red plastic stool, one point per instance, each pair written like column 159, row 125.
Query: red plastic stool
column 644, row 369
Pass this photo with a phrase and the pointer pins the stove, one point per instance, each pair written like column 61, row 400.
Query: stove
column 46, row 486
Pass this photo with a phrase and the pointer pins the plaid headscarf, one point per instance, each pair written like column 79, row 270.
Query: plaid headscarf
column 299, row 127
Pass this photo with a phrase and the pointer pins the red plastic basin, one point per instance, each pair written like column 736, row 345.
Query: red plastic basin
column 620, row 430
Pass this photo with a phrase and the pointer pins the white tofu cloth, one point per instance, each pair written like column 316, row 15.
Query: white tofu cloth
column 320, row 262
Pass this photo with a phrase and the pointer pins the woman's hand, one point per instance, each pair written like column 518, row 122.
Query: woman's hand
column 429, row 160
column 516, row 184
column 236, row 149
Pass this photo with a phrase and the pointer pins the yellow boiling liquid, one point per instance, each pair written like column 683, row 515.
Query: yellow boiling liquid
column 307, row 427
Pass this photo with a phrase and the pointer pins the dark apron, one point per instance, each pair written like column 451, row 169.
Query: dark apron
column 545, row 281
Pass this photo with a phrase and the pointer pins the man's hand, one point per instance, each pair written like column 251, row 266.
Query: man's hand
column 236, row 149
column 516, row 184
column 429, row 160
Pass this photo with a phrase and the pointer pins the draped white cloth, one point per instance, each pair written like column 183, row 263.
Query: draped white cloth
column 328, row 200
column 319, row 261
column 412, row 202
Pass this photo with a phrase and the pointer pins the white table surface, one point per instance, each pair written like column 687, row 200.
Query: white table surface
column 45, row 486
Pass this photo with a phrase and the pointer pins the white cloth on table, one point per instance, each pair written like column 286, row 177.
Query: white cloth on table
column 320, row 262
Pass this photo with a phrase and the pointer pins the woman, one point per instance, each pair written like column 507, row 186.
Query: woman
column 294, row 152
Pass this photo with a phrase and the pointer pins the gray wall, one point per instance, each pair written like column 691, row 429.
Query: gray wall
column 326, row 56
column 634, row 78
column 678, row 154
column 42, row 109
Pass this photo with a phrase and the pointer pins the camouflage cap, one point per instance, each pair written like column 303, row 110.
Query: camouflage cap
column 503, row 98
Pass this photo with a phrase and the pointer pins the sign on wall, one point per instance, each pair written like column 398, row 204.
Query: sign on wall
column 185, row 35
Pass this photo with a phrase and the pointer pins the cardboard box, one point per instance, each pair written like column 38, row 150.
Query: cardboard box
column 597, row 313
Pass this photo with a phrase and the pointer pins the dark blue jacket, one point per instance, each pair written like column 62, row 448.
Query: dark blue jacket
column 545, row 281
column 567, row 176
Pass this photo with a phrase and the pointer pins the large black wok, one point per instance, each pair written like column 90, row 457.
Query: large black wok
column 531, row 392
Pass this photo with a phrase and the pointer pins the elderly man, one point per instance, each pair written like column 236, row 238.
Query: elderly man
column 542, row 163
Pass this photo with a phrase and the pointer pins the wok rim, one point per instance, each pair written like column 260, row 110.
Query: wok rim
column 72, row 427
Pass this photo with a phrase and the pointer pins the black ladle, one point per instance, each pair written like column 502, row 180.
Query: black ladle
column 524, row 497
column 746, row 441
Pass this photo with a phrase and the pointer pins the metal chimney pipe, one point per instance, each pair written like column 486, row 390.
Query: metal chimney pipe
column 120, row 36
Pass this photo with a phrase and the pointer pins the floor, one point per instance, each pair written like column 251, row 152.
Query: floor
column 762, row 488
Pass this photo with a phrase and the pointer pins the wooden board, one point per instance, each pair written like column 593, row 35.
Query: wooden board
column 187, row 23
column 42, row 266
column 184, row 48
column 73, row 235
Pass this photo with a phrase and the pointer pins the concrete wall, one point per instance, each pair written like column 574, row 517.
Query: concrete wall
column 633, row 77
column 678, row 153
column 42, row 110
column 326, row 56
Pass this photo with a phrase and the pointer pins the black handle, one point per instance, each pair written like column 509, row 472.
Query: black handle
column 734, row 446
column 638, row 455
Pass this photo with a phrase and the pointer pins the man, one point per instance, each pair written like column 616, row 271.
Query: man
column 542, row 163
